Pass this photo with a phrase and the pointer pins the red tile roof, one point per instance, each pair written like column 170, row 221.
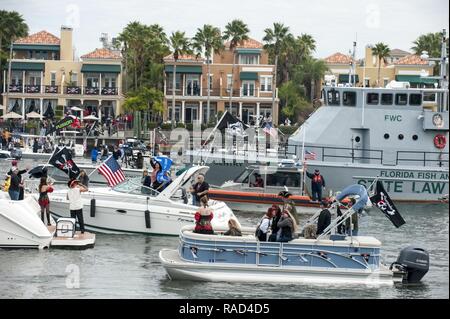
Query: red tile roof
column 411, row 59
column 247, row 44
column 101, row 54
column 42, row 37
column 398, row 52
column 184, row 57
column 338, row 58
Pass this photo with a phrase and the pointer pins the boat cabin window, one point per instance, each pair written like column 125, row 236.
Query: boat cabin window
column 415, row 99
column 401, row 99
column 349, row 98
column 387, row 99
column 333, row 97
column 280, row 179
column 373, row 98
column 243, row 177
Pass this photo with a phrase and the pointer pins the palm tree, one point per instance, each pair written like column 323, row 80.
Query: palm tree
column 207, row 40
column 430, row 42
column 12, row 26
column 236, row 32
column 310, row 72
column 179, row 45
column 382, row 51
column 275, row 43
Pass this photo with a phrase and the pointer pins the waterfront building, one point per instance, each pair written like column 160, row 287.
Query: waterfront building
column 401, row 66
column 252, row 86
column 45, row 74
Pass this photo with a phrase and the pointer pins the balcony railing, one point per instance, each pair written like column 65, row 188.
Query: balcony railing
column 222, row 92
column 51, row 89
column 32, row 89
column 15, row 88
column 88, row 90
column 109, row 91
column 73, row 90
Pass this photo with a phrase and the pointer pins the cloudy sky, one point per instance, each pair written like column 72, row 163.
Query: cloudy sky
column 334, row 24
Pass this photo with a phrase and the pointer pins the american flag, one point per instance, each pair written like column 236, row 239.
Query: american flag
column 269, row 129
column 310, row 155
column 111, row 170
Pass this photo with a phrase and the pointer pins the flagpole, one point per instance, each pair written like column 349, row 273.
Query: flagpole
column 303, row 159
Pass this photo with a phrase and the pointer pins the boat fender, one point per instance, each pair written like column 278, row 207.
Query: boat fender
column 147, row 219
column 440, row 141
column 92, row 207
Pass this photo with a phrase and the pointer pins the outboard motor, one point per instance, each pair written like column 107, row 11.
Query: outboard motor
column 414, row 261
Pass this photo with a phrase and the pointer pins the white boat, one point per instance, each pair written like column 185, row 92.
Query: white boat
column 20, row 226
column 329, row 258
column 126, row 209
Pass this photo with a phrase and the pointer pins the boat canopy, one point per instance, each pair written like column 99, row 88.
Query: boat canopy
column 355, row 190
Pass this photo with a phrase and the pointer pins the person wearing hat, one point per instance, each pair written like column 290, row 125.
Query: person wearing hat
column 14, row 164
column 15, row 184
column 317, row 183
column 289, row 204
column 199, row 189
column 324, row 219
column 75, row 201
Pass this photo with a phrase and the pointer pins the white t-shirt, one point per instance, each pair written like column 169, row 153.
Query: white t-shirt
column 74, row 196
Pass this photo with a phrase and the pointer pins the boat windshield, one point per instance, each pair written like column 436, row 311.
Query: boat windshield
column 134, row 186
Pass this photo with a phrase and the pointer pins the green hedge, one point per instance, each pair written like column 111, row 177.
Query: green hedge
column 288, row 130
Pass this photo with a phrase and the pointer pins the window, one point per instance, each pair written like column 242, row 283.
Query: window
column 34, row 78
column 74, row 78
column 357, row 139
column 385, row 82
column 386, row 136
column 415, row 137
column 283, row 179
column 333, row 97
column 266, row 83
column 415, row 99
column 349, row 98
column 373, row 98
column 401, row 99
column 110, row 81
column 386, row 99
column 92, row 81
column 53, row 78
column 228, row 82
column 400, row 137
column 177, row 81
column 367, row 83
column 210, row 82
column 248, row 59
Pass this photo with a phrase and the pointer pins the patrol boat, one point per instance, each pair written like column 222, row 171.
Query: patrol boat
column 398, row 134
column 329, row 258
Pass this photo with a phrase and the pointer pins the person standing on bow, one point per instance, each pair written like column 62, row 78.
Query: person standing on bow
column 76, row 202
column 44, row 201
column 317, row 183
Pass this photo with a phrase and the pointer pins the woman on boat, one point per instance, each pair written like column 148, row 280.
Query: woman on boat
column 203, row 218
column 276, row 218
column 44, row 201
column 233, row 228
column 288, row 226
column 263, row 228
column 146, row 182
column 154, row 175
column 84, row 178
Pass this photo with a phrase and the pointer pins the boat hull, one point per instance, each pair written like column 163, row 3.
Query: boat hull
column 178, row 269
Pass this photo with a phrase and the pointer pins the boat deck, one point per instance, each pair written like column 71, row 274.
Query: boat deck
column 79, row 241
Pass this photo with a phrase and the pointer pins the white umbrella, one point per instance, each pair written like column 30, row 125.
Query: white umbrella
column 33, row 115
column 12, row 115
column 91, row 117
column 76, row 108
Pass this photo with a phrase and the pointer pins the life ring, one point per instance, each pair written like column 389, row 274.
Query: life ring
column 440, row 141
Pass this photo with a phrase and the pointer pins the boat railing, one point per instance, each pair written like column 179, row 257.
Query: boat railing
column 424, row 158
column 338, row 221
column 324, row 153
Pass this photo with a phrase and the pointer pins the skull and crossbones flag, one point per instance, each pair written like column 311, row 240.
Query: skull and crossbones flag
column 382, row 200
column 62, row 160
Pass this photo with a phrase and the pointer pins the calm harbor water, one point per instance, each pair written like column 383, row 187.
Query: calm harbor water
column 127, row 266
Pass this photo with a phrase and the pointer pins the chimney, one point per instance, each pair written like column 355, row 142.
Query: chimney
column 66, row 44
column 369, row 57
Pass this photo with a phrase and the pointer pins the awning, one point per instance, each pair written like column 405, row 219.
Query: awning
column 343, row 78
column 197, row 69
column 414, row 79
column 248, row 76
column 28, row 66
column 101, row 68
column 248, row 51
column 36, row 47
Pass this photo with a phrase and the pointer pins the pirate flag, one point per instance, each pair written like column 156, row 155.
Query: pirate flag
column 62, row 160
column 65, row 122
column 382, row 200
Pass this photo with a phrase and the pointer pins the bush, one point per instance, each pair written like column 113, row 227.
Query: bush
column 288, row 130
